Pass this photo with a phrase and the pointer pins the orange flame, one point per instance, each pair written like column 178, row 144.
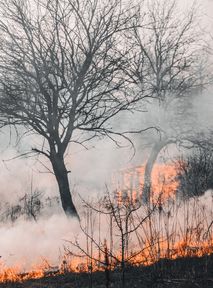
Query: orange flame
column 163, row 179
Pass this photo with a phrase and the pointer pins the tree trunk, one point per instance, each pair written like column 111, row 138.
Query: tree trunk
column 61, row 175
column 123, row 261
column 149, row 167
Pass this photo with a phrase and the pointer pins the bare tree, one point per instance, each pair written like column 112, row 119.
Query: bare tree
column 166, row 63
column 61, row 75
column 127, row 216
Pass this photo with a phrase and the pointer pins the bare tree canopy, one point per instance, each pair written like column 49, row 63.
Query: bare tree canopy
column 61, row 73
column 67, row 68
column 167, row 50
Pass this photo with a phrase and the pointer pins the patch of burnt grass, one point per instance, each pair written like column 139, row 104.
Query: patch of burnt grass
column 188, row 272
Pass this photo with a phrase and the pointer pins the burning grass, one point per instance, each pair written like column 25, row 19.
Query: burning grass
column 182, row 273
column 16, row 274
column 120, row 232
column 174, row 231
